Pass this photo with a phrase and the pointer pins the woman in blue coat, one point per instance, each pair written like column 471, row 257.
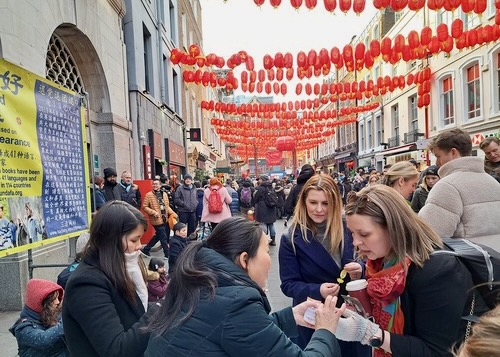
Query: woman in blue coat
column 315, row 251
column 216, row 305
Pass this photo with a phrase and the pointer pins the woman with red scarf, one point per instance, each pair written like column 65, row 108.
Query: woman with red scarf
column 418, row 298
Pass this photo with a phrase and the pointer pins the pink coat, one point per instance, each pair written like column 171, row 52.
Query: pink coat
column 216, row 217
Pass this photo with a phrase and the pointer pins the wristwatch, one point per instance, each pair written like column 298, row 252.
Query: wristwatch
column 377, row 342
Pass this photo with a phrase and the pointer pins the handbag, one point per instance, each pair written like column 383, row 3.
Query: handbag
column 172, row 221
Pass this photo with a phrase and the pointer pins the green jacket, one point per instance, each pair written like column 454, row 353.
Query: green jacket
column 237, row 322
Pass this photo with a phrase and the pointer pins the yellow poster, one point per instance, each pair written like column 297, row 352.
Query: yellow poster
column 43, row 171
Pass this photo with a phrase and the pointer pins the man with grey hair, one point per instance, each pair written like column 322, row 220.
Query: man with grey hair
column 465, row 203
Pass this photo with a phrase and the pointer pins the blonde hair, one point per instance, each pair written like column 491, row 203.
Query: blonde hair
column 404, row 169
column 485, row 340
column 409, row 235
column 334, row 227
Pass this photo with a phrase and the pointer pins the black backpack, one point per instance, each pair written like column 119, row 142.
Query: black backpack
column 271, row 198
column 483, row 264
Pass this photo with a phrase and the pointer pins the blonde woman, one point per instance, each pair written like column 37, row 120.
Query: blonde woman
column 485, row 341
column 315, row 251
column 403, row 177
column 418, row 298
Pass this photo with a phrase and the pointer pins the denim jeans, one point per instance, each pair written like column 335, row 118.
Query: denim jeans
column 162, row 235
column 268, row 228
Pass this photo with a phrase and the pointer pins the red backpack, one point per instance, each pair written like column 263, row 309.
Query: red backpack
column 214, row 200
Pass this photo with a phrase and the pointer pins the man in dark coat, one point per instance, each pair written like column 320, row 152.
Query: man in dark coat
column 265, row 214
column 247, row 202
column 112, row 190
column 186, row 201
column 305, row 174
column 130, row 191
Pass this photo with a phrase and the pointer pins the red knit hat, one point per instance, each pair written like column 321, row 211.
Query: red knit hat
column 37, row 290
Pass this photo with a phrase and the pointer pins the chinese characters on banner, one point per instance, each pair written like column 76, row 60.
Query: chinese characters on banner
column 44, row 178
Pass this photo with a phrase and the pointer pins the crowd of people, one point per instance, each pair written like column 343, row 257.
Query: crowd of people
column 207, row 297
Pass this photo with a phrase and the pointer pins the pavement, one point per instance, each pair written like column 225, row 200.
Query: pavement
column 278, row 301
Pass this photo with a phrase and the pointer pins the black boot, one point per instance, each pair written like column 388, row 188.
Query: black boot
column 272, row 242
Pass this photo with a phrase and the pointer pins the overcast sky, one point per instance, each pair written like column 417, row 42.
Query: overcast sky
column 235, row 25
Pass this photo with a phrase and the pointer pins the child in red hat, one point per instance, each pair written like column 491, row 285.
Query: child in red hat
column 39, row 330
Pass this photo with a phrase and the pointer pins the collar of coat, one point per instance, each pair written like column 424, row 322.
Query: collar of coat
column 462, row 164
column 228, row 273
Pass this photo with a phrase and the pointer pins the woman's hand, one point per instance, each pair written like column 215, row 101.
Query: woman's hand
column 327, row 315
column 327, row 289
column 354, row 270
column 300, row 310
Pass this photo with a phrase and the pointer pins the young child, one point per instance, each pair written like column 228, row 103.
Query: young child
column 157, row 287
column 39, row 330
column 177, row 243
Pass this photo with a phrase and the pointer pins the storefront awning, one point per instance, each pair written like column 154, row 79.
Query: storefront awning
column 397, row 150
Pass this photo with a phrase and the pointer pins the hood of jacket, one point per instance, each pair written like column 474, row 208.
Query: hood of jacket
column 27, row 316
column 228, row 273
column 305, row 174
column 266, row 184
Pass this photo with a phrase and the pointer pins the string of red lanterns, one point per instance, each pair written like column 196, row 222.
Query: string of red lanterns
column 358, row 6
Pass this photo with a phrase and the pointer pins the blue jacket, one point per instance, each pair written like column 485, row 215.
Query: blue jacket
column 34, row 339
column 235, row 203
column 236, row 322
column 302, row 272
column 199, row 209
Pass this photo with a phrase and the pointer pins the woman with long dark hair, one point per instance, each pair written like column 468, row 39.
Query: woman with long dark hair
column 216, row 305
column 106, row 296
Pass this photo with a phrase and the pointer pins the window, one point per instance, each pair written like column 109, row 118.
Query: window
column 173, row 27
column 395, row 120
column 175, row 79
column 376, row 32
column 184, row 32
column 446, row 101
column 413, row 113
column 341, row 136
column 376, row 72
column 412, row 65
column 146, row 37
column 446, row 17
column 362, row 137
column 378, row 129
column 398, row 15
column 369, row 135
column 353, row 132
column 164, row 79
column 473, row 100
column 470, row 20
column 498, row 81
column 395, row 70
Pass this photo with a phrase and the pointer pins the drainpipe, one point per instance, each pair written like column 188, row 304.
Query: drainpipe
column 163, row 94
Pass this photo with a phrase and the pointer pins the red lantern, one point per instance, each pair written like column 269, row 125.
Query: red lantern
column 358, row 6
column 301, row 59
column 283, row 88
column 480, row 6
column 270, row 74
column 415, row 5
column 275, row 3
column 468, row 5
column 288, row 60
column 258, row 2
column 262, row 75
column 296, row 3
column 344, row 5
column 308, row 88
column 289, row 73
column 425, row 36
column 279, row 74
column 311, row 4
column 457, row 28
column 311, row 58
column 399, row 5
column 330, row 5
column 279, row 61
column 268, row 62
column 442, row 32
column 386, row 46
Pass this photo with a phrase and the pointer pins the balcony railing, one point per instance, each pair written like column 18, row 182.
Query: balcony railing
column 394, row 141
column 412, row 136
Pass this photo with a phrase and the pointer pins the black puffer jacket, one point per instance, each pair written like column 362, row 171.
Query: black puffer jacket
column 236, row 322
column 264, row 213
column 305, row 174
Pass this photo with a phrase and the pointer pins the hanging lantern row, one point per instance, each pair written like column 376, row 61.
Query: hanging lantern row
column 291, row 114
column 280, row 66
column 358, row 6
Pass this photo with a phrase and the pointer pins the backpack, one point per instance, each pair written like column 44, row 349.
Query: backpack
column 214, row 201
column 483, row 264
column 246, row 195
column 271, row 198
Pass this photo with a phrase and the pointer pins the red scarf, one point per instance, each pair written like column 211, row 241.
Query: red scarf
column 386, row 283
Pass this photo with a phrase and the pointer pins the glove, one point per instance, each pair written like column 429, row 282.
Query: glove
column 355, row 327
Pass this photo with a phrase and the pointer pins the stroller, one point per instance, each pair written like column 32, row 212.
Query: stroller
column 203, row 231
